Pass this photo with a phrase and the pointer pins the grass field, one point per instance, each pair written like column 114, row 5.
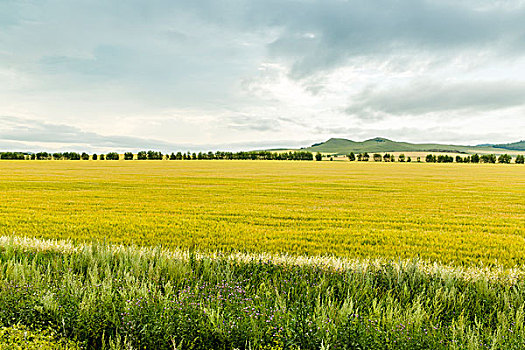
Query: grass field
column 99, row 296
column 451, row 213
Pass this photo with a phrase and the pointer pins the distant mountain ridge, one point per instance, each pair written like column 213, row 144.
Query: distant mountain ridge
column 379, row 144
column 515, row 146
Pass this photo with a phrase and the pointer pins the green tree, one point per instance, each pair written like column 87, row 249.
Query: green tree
column 377, row 157
column 430, row 158
column 488, row 158
column 112, row 156
column 94, row 156
column 351, row 156
column 318, row 157
column 128, row 156
column 520, row 159
column 402, row 158
column 504, row 159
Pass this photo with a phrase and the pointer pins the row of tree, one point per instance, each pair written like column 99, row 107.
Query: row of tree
column 156, row 155
column 260, row 155
column 441, row 158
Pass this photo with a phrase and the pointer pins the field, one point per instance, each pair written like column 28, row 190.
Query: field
column 261, row 255
column 450, row 213
column 99, row 296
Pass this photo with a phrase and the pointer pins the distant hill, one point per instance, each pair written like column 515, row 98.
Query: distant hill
column 516, row 146
column 379, row 144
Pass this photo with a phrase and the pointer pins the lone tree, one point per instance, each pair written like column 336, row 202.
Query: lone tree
column 402, row 158
column 85, row 156
column 94, row 157
column 128, row 156
column 377, row 157
column 318, row 157
column 351, row 156
column 520, row 159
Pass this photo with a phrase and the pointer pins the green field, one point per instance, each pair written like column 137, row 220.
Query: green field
column 450, row 213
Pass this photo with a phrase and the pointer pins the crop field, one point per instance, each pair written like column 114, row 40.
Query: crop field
column 261, row 255
column 459, row 214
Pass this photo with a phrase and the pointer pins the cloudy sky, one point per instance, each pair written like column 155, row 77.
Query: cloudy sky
column 236, row 74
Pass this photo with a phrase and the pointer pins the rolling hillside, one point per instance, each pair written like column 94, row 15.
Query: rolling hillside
column 378, row 144
column 515, row 146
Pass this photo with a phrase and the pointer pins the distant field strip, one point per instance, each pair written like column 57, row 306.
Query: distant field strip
column 452, row 213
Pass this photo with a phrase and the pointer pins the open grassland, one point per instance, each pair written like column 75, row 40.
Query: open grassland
column 451, row 213
column 115, row 297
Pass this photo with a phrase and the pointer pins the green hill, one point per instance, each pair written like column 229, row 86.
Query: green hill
column 378, row 144
column 515, row 146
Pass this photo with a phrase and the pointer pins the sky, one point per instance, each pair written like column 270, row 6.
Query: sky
column 102, row 75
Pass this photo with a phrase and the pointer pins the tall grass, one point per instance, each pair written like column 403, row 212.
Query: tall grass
column 104, row 296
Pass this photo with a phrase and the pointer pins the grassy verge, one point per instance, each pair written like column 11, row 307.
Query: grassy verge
column 18, row 337
column 103, row 296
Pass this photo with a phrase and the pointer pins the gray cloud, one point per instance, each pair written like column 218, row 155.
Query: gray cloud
column 23, row 131
column 22, row 134
column 430, row 97
column 324, row 34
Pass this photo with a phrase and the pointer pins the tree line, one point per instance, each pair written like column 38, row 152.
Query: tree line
column 156, row 155
column 441, row 158
column 260, row 155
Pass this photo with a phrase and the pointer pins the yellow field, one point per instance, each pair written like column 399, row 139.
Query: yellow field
column 453, row 213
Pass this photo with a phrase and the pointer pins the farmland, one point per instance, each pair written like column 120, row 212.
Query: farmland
column 450, row 213
column 261, row 255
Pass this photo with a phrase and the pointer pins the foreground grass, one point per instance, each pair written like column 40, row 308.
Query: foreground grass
column 20, row 338
column 127, row 297
column 453, row 213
